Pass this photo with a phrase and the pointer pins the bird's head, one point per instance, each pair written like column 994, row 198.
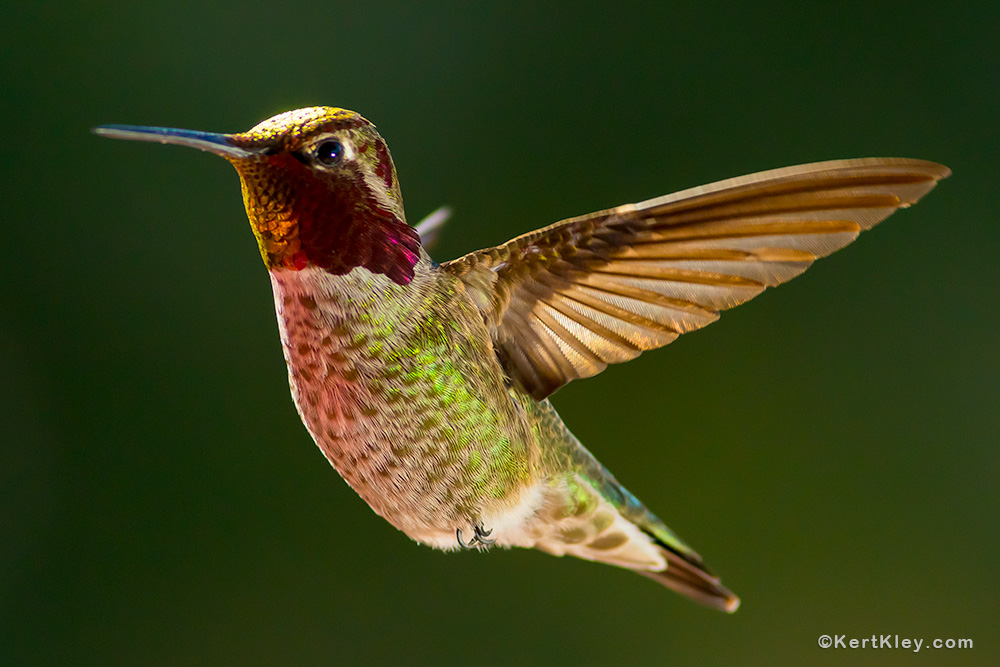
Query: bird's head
column 319, row 186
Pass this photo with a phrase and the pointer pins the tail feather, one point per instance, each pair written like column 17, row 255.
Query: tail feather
column 693, row 580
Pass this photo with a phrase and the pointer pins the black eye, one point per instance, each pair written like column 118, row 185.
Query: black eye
column 330, row 153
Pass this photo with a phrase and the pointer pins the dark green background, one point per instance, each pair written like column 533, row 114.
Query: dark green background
column 831, row 448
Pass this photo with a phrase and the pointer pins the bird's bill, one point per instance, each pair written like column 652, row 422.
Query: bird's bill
column 212, row 142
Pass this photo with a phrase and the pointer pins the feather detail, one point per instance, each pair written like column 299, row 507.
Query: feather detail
column 567, row 300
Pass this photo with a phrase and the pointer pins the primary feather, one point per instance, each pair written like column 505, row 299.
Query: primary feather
column 567, row 300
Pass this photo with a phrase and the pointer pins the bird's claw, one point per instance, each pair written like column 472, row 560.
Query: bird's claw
column 478, row 539
column 481, row 535
column 458, row 536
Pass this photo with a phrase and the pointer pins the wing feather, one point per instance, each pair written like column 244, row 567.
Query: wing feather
column 565, row 301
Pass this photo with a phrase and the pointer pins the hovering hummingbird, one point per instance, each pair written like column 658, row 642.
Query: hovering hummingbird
column 426, row 385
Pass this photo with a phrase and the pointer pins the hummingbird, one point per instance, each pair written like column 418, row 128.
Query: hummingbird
column 427, row 385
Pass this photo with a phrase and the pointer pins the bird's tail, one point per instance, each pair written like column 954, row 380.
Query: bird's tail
column 688, row 576
column 576, row 521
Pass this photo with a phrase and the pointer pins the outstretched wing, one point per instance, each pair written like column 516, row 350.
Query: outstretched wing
column 565, row 301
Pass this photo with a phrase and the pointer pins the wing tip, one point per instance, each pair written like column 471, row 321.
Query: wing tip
column 916, row 169
column 927, row 168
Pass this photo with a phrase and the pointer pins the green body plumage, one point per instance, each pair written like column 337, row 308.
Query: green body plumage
column 400, row 389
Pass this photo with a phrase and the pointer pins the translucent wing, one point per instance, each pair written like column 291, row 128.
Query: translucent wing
column 565, row 301
column 429, row 229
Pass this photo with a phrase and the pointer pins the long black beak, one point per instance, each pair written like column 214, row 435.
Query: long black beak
column 211, row 142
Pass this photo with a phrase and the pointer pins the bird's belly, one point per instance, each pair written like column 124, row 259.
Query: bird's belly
column 409, row 429
column 425, row 467
column 394, row 450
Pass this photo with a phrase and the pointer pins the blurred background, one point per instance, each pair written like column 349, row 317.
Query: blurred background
column 831, row 448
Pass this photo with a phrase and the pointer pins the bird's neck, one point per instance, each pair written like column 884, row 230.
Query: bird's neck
column 360, row 299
